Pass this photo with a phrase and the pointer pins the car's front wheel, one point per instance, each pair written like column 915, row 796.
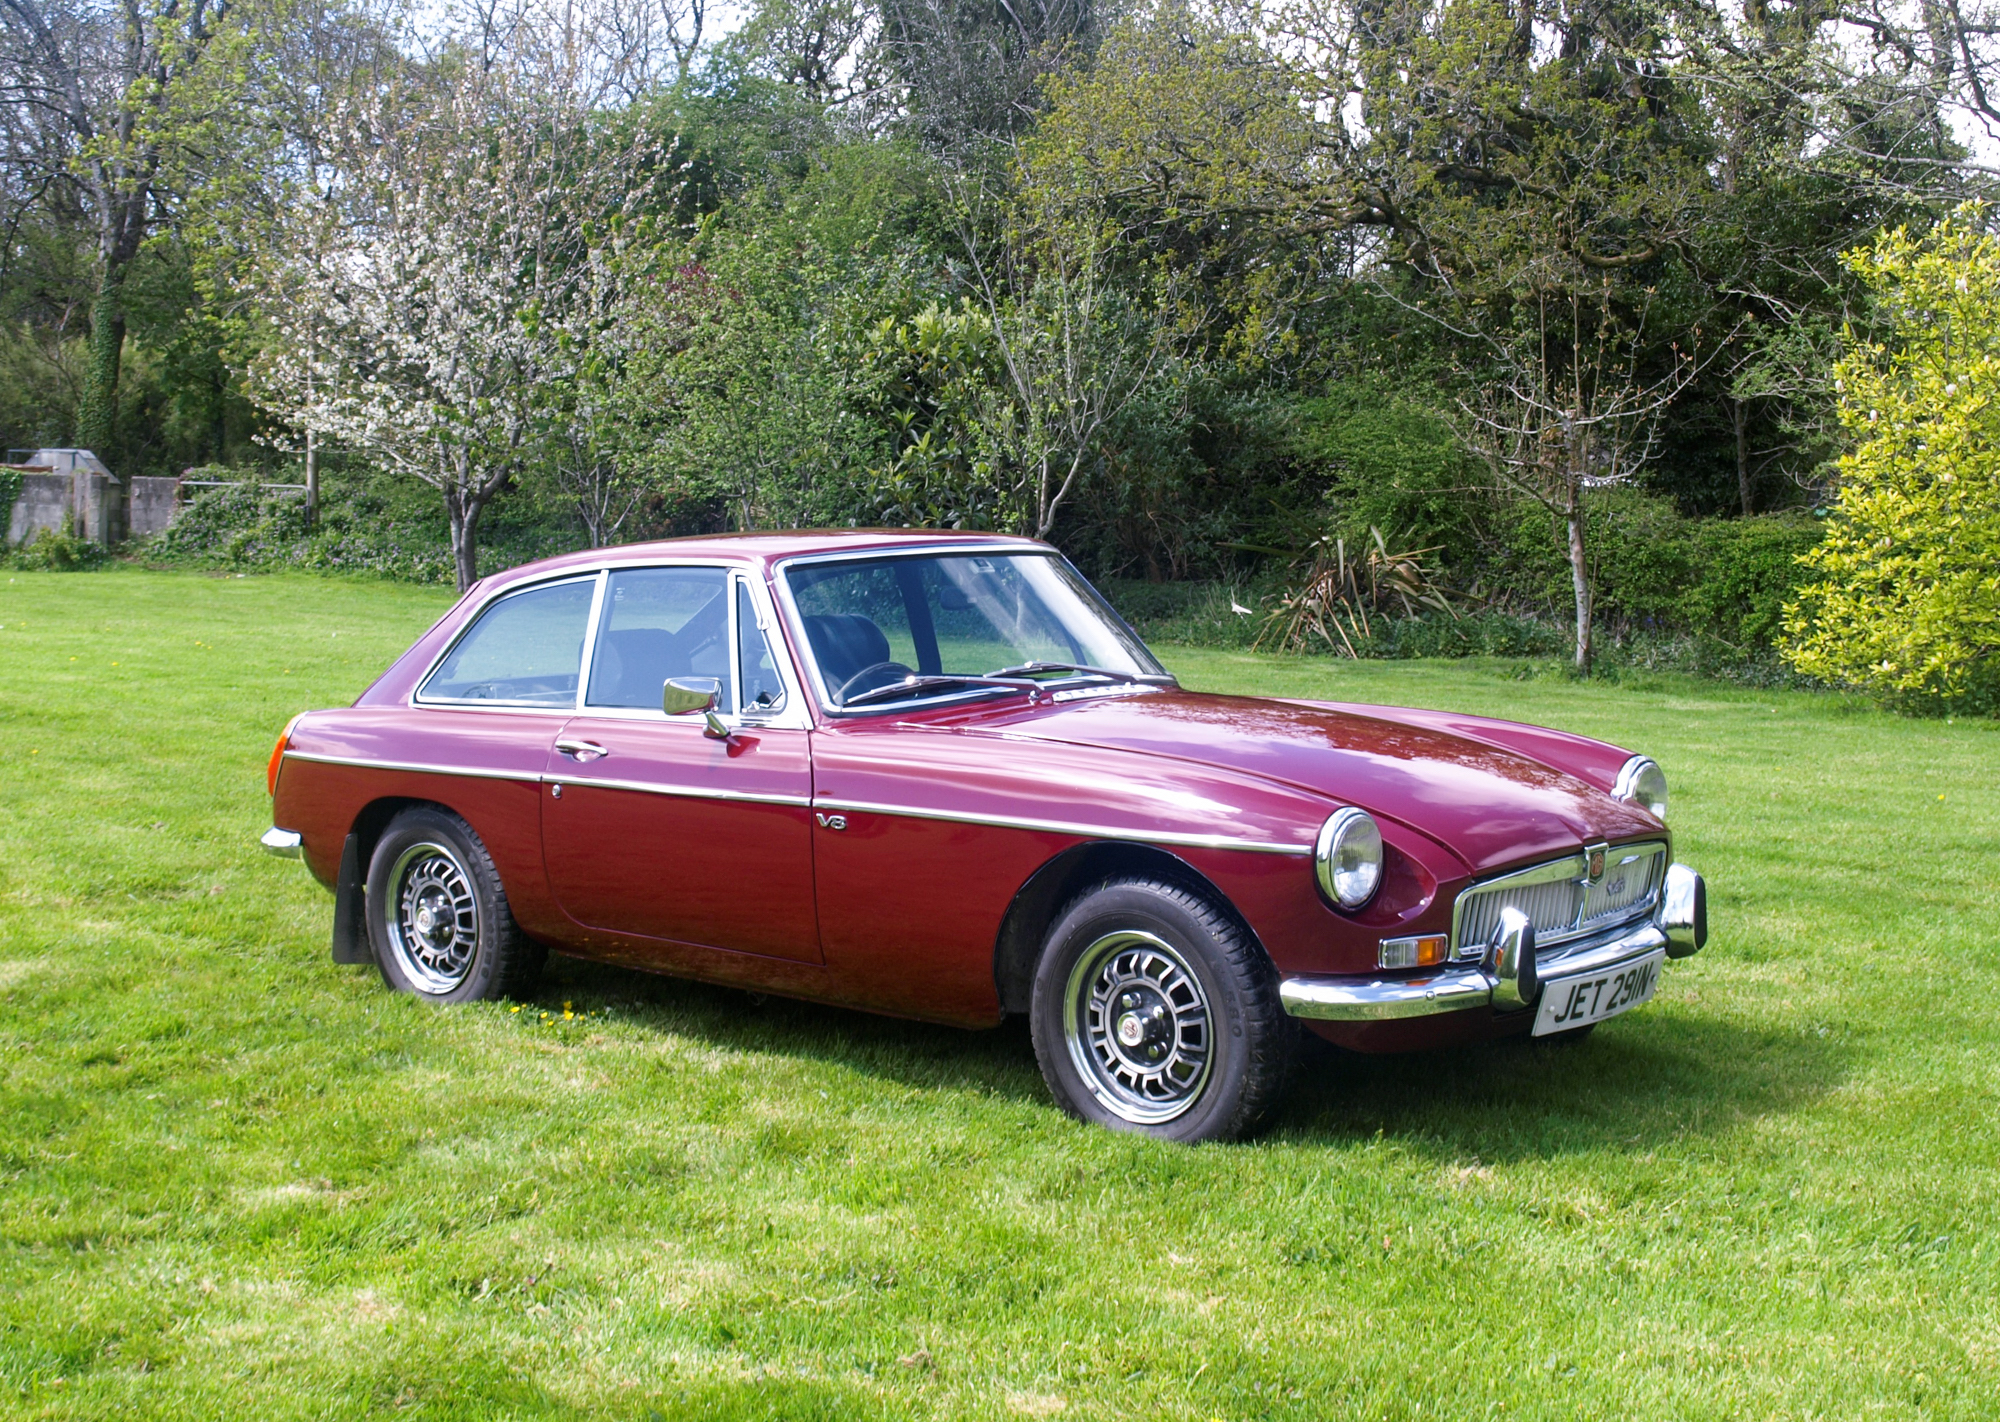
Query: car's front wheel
column 1154, row 1011
column 437, row 913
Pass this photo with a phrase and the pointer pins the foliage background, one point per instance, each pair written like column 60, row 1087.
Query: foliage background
column 894, row 261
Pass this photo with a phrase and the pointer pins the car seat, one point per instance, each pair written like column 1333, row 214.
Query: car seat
column 844, row 643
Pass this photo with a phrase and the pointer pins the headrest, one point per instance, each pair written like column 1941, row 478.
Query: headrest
column 844, row 643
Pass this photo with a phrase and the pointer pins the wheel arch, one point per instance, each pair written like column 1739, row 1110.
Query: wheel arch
column 1036, row 903
column 350, row 927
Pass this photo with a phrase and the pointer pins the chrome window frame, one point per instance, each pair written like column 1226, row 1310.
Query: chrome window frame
column 823, row 698
column 793, row 713
column 1574, row 868
column 462, row 703
column 791, row 717
column 797, row 716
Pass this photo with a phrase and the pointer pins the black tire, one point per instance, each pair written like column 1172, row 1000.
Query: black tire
column 437, row 914
column 1154, row 1011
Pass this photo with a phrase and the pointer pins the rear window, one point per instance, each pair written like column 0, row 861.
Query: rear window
column 524, row 650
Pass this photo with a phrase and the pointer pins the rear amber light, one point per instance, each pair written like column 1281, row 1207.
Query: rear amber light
column 1425, row 951
column 278, row 756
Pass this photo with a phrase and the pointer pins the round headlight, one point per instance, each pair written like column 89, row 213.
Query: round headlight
column 1644, row 784
column 1349, row 857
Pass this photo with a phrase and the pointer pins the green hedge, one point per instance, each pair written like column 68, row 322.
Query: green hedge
column 1699, row 594
column 368, row 523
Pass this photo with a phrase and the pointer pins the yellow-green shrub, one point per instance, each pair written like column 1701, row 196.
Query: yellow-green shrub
column 1907, row 601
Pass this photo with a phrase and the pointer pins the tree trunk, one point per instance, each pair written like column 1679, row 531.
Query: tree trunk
column 1579, row 573
column 97, row 410
column 464, row 510
column 1739, row 420
column 312, row 481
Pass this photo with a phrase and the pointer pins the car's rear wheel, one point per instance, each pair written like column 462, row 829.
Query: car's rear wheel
column 1154, row 1011
column 437, row 913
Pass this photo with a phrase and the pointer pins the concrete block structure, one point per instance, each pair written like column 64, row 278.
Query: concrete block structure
column 150, row 503
column 71, row 490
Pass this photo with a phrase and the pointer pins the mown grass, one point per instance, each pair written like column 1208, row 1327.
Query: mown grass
column 236, row 1179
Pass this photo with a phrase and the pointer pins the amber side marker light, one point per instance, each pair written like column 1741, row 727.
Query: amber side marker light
column 1424, row 951
column 278, row 756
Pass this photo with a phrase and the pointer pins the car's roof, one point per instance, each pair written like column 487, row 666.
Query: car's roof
column 762, row 548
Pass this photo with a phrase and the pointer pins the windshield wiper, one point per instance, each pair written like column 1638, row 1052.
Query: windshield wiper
column 911, row 685
column 1077, row 668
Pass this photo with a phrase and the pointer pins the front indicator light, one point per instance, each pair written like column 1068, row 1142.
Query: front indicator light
column 278, row 756
column 1425, row 951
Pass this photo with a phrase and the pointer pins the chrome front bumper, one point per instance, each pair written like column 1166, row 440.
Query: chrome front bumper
column 286, row 844
column 1679, row 924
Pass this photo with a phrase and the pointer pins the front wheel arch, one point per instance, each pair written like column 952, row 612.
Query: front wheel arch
column 1017, row 948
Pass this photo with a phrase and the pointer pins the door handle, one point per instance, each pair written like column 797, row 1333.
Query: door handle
column 582, row 750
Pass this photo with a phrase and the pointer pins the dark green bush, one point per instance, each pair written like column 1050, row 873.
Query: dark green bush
column 1194, row 614
column 1476, row 634
column 367, row 523
column 1745, row 570
column 1377, row 461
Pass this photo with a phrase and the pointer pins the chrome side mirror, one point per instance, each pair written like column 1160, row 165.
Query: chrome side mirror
column 692, row 695
column 1511, row 960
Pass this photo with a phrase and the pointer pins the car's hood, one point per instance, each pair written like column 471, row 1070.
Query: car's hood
column 1488, row 805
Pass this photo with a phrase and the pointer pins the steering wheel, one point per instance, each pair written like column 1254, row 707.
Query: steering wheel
column 881, row 674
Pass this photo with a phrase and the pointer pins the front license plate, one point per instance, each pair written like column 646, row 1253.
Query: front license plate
column 1578, row 1002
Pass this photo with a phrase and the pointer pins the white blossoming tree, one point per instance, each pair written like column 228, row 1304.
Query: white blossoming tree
column 434, row 305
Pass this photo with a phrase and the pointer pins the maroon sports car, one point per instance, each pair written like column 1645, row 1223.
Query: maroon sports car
column 936, row 775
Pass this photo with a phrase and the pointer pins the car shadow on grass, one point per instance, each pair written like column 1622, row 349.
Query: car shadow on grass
column 915, row 1054
column 1636, row 1083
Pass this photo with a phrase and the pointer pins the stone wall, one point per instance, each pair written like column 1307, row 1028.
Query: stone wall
column 98, row 502
column 42, row 503
column 150, row 503
column 70, row 489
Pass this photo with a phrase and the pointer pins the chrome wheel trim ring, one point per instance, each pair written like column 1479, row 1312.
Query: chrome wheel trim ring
column 1138, row 1026
column 432, row 917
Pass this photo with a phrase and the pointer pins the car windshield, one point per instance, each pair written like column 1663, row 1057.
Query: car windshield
column 943, row 621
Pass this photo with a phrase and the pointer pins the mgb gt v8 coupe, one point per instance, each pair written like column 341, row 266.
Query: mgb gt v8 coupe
column 935, row 775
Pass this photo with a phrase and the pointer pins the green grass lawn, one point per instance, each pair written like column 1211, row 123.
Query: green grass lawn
column 237, row 1179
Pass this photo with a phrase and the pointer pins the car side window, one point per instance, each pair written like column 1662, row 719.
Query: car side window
column 525, row 650
column 763, row 689
column 657, row 624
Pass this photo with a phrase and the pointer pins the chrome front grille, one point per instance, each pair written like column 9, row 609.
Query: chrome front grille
column 1551, row 908
column 1631, row 879
column 1558, row 898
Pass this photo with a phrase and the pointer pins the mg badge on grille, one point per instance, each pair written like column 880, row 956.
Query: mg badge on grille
column 1593, row 862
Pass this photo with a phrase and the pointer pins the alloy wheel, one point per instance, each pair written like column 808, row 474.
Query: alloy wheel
column 1138, row 1027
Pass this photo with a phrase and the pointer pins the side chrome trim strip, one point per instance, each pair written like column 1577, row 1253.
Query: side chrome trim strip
column 1087, row 831
column 687, row 792
column 680, row 792
column 416, row 768
column 1137, row 836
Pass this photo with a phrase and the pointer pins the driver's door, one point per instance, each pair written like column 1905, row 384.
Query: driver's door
column 655, row 831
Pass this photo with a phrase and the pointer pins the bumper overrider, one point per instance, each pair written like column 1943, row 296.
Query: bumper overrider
column 1510, row 974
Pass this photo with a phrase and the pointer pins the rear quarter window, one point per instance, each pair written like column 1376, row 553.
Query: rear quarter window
column 524, row 650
